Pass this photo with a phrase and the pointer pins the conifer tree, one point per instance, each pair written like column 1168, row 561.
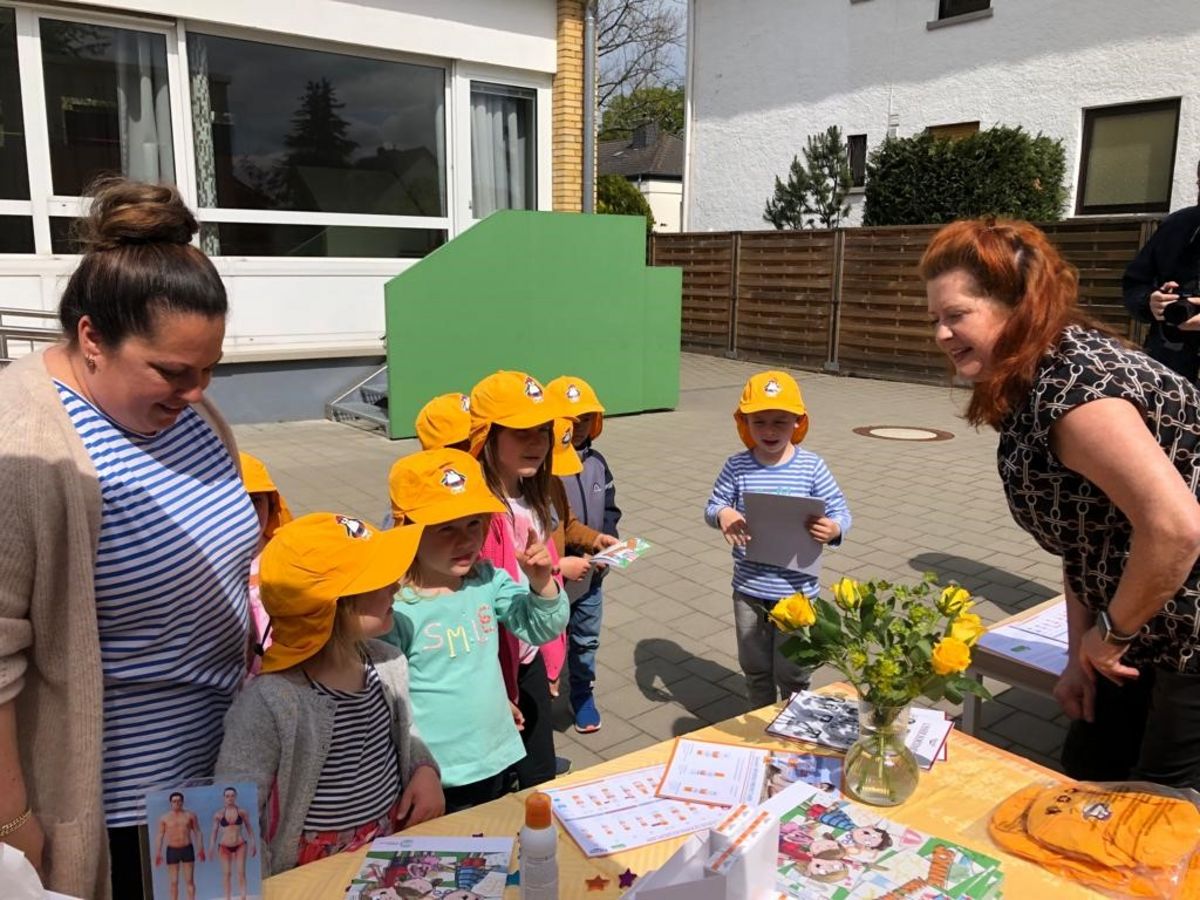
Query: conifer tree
column 815, row 192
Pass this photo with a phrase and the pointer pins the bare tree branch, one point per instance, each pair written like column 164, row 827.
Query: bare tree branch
column 634, row 44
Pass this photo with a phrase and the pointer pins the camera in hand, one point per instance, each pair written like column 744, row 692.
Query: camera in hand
column 1179, row 311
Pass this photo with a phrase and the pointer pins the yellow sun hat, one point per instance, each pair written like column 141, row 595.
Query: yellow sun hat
column 436, row 486
column 565, row 461
column 578, row 399
column 314, row 561
column 510, row 399
column 444, row 421
column 771, row 390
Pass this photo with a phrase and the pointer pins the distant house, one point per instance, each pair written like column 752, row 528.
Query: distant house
column 1106, row 76
column 653, row 160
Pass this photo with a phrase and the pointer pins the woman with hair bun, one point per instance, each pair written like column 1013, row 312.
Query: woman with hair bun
column 125, row 548
column 1098, row 458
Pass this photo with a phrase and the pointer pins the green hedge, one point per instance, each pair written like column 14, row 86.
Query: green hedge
column 1001, row 171
column 620, row 197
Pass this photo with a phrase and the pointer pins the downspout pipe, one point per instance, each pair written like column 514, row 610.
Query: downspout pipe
column 589, row 106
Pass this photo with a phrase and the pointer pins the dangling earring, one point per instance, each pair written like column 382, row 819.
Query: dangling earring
column 90, row 362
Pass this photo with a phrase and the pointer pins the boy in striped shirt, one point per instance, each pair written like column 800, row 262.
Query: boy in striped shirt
column 771, row 420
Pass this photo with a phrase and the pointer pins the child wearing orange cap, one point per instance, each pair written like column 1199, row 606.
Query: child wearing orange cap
column 272, row 512
column 592, row 497
column 324, row 731
column 445, row 421
column 512, row 431
column 446, row 617
column 771, row 421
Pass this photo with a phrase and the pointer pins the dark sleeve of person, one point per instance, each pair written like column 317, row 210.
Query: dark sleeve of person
column 1156, row 263
column 612, row 512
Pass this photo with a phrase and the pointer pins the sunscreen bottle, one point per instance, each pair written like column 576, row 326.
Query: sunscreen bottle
column 539, row 850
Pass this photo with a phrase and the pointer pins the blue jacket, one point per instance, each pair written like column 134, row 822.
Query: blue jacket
column 593, row 499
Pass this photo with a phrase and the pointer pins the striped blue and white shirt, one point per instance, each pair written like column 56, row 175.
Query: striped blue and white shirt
column 804, row 475
column 177, row 534
column 360, row 780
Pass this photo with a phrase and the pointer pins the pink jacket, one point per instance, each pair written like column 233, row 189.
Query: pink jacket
column 499, row 548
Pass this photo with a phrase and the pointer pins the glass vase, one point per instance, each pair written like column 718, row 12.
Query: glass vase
column 879, row 769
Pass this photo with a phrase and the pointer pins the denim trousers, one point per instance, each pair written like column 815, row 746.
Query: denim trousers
column 768, row 672
column 583, row 641
column 1147, row 729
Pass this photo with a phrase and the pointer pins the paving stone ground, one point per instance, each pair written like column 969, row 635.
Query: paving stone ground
column 668, row 659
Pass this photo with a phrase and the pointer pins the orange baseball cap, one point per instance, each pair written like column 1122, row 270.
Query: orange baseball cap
column 313, row 562
column 444, row 420
column 771, row 390
column 257, row 480
column 565, row 461
column 579, row 399
column 435, row 486
column 511, row 399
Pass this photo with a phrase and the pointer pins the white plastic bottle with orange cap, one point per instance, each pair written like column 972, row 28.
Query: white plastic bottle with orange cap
column 538, row 843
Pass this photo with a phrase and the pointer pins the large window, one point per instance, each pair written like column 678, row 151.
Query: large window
column 503, row 148
column 356, row 144
column 1128, row 158
column 953, row 132
column 16, row 220
column 108, row 104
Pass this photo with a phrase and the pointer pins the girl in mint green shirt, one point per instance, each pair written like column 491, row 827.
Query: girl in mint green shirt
column 446, row 616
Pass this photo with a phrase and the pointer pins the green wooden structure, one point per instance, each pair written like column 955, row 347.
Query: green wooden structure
column 540, row 292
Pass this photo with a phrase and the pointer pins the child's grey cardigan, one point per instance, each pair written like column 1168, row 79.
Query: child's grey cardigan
column 277, row 733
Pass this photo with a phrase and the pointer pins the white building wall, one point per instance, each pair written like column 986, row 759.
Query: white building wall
column 765, row 74
column 666, row 202
column 295, row 308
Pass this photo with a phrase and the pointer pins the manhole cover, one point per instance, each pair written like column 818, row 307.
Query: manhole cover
column 903, row 433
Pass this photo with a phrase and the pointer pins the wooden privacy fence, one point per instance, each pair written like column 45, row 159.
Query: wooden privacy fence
column 849, row 300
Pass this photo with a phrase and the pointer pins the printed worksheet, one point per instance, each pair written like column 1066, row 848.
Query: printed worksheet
column 621, row 812
column 718, row 774
column 1039, row 641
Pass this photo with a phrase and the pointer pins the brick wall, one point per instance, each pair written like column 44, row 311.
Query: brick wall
column 567, row 126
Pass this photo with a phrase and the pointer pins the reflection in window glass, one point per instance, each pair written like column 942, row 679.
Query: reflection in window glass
column 108, row 105
column 503, row 148
column 287, row 129
column 14, row 176
column 1130, row 154
column 16, row 234
column 247, row 239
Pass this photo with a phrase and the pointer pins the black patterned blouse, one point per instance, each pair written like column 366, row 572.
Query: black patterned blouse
column 1071, row 517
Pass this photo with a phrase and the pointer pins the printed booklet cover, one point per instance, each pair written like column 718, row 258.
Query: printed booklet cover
column 467, row 867
column 833, row 849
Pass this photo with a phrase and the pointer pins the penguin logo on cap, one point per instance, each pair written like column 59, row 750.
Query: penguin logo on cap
column 354, row 528
column 771, row 388
column 566, row 438
column 573, row 394
column 465, row 403
column 1097, row 811
column 454, row 481
column 533, row 390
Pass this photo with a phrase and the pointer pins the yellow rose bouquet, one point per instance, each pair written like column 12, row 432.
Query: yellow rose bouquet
column 893, row 642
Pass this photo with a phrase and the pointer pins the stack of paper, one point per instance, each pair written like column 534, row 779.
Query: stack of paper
column 1039, row 641
column 833, row 722
column 621, row 812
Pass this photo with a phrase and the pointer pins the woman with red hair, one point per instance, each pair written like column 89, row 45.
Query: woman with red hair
column 1098, row 457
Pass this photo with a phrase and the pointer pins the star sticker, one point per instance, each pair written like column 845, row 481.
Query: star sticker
column 626, row 878
column 598, row 883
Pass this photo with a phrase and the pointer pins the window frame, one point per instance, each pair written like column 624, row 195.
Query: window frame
column 464, row 74
column 1090, row 114
column 857, row 186
column 45, row 204
column 943, row 15
column 217, row 214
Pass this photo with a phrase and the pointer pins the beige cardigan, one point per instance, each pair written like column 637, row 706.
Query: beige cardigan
column 49, row 639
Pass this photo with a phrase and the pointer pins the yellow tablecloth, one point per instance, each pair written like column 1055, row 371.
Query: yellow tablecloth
column 953, row 801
